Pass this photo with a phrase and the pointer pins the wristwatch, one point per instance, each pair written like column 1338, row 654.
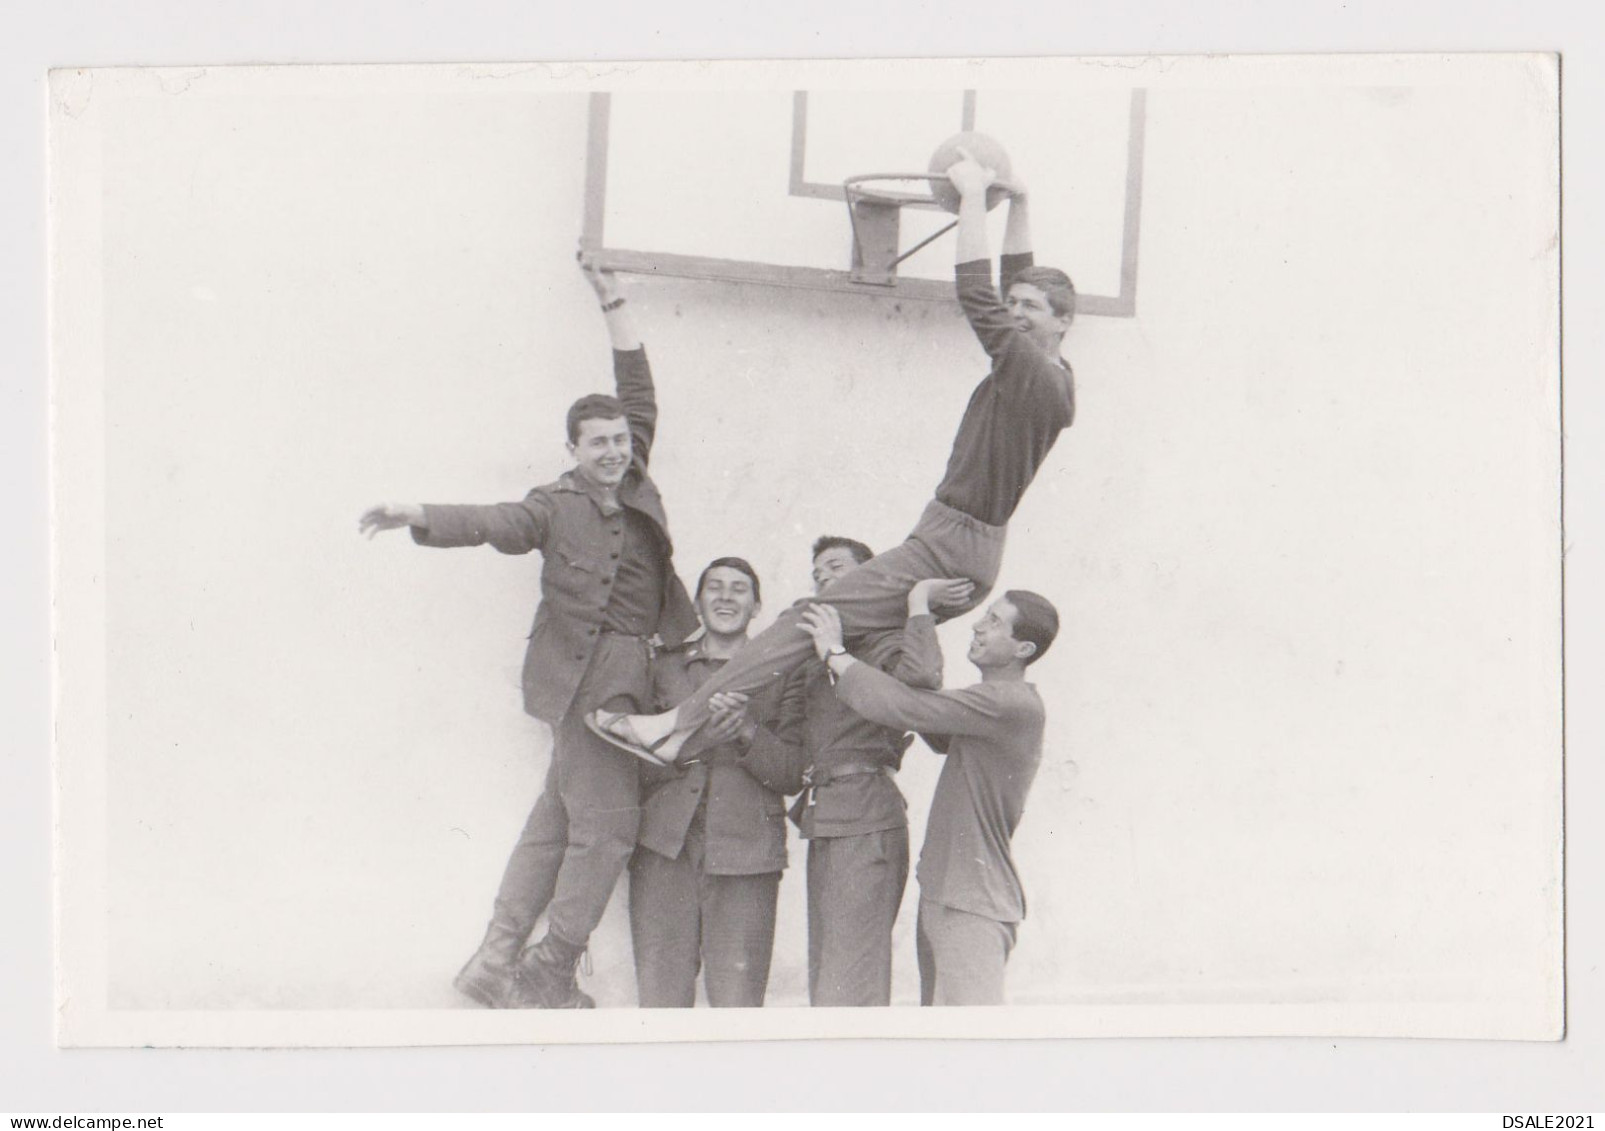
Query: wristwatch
column 830, row 654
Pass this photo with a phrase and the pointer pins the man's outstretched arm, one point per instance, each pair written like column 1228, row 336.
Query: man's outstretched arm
column 512, row 528
column 881, row 699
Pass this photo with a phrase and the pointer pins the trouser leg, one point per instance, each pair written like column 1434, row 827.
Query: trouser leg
column 968, row 954
column 738, row 937
column 600, row 792
column 531, row 873
column 666, row 929
column 871, row 598
column 526, row 888
column 855, row 886
column 925, row 956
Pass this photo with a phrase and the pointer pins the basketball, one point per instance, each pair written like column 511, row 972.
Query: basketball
column 986, row 150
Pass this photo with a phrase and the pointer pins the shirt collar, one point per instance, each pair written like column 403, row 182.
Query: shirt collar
column 573, row 481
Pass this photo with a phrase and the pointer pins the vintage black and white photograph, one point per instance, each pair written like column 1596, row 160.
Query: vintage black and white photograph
column 1006, row 548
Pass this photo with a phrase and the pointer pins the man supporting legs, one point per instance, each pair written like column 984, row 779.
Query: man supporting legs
column 705, row 879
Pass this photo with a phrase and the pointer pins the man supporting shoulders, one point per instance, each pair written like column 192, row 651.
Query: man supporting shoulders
column 971, row 899
column 852, row 815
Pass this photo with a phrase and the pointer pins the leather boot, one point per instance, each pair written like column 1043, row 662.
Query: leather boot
column 546, row 978
column 489, row 975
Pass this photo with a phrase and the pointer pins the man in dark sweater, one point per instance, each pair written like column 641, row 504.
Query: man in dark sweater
column 1013, row 418
column 971, row 901
column 608, row 588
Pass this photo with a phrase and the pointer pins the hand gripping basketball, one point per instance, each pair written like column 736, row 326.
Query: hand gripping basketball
column 975, row 149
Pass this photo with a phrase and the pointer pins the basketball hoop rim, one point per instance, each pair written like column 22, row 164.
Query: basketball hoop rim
column 854, row 186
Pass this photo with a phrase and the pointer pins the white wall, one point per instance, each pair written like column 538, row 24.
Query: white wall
column 1303, row 739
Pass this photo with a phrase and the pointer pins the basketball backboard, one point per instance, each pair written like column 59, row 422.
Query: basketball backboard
column 747, row 187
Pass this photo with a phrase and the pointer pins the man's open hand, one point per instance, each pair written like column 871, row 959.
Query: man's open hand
column 389, row 516
column 939, row 593
column 824, row 624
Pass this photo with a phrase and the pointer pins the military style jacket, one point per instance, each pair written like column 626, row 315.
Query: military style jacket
column 580, row 544
column 735, row 789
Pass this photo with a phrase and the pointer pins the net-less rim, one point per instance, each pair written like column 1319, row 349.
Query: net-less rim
column 855, row 186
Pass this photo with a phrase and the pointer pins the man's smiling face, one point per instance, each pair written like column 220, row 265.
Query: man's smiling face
column 727, row 601
column 601, row 450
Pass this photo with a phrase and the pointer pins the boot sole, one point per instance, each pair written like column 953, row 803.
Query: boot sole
column 479, row 992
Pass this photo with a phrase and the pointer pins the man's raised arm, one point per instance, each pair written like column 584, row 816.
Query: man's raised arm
column 917, row 660
column 632, row 376
column 988, row 316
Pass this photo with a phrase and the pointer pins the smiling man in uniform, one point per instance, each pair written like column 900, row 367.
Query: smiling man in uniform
column 705, row 878
column 608, row 590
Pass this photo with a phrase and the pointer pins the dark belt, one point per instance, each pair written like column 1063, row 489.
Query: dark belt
column 816, row 777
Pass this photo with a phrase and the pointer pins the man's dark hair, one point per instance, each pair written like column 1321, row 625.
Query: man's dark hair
column 739, row 564
column 1035, row 620
column 861, row 553
column 1053, row 283
column 594, row 406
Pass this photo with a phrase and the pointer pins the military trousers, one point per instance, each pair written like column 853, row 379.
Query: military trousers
column 580, row 834
column 683, row 920
column 855, row 886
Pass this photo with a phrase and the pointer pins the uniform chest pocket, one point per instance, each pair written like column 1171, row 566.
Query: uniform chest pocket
column 573, row 577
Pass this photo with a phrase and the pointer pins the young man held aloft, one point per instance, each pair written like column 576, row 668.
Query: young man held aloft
column 1011, row 423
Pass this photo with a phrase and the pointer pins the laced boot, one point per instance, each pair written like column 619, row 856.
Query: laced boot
column 489, row 976
column 546, row 977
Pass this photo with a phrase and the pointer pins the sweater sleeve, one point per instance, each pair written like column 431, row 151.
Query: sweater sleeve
column 986, row 308
column 917, row 660
column 987, row 315
column 879, row 698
